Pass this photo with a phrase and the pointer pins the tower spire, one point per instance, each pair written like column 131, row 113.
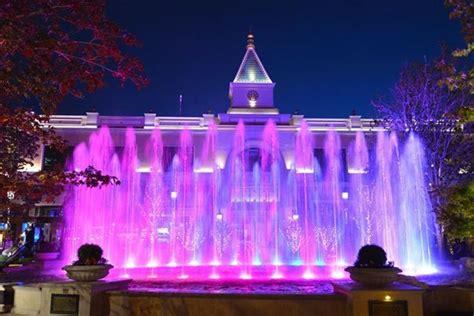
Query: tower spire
column 250, row 40
column 251, row 68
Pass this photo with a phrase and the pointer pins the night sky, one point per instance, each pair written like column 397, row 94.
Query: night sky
column 326, row 57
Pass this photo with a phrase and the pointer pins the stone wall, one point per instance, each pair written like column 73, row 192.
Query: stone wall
column 160, row 304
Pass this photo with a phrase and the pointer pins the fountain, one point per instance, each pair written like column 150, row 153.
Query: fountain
column 181, row 213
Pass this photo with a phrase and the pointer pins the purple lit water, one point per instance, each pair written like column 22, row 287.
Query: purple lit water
column 257, row 215
column 238, row 287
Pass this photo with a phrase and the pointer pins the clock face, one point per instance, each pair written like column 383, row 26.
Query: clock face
column 252, row 95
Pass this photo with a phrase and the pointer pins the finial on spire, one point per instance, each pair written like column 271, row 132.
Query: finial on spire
column 250, row 41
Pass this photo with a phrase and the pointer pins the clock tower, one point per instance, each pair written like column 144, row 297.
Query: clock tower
column 252, row 89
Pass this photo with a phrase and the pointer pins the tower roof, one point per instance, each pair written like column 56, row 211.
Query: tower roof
column 251, row 69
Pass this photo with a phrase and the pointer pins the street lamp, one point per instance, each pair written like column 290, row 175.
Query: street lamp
column 10, row 195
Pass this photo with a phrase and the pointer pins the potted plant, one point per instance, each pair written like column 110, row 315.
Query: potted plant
column 90, row 266
column 371, row 267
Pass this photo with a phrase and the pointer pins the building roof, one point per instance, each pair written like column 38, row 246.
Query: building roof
column 251, row 69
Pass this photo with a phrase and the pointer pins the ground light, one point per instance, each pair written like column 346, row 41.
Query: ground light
column 277, row 275
column 308, row 275
column 214, row 276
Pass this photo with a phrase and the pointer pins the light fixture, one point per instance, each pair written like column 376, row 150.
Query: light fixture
column 295, row 217
column 204, row 170
column 163, row 230
column 308, row 275
column 304, row 170
column 387, row 298
column 174, row 194
column 143, row 170
column 357, row 170
column 345, row 195
column 10, row 195
column 219, row 216
column 252, row 76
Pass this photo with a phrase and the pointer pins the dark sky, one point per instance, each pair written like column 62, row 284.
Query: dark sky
column 326, row 57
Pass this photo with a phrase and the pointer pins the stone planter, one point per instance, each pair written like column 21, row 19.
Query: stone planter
column 46, row 256
column 87, row 273
column 373, row 276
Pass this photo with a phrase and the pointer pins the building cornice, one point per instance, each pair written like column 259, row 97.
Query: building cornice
column 224, row 121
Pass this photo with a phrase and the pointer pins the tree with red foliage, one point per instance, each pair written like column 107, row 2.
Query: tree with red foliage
column 460, row 77
column 50, row 49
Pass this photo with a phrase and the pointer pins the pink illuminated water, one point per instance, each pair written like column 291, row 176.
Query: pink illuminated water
column 272, row 209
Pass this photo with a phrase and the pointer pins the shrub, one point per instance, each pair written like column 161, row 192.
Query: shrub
column 371, row 256
column 456, row 214
column 90, row 254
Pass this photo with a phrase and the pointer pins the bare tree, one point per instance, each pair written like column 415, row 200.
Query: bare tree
column 418, row 103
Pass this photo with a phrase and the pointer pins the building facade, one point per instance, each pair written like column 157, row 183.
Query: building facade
column 251, row 102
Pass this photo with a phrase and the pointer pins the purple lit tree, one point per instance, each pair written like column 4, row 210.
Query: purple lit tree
column 460, row 77
column 419, row 103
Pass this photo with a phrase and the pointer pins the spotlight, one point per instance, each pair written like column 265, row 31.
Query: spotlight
column 152, row 264
column 295, row 217
column 219, row 216
column 214, row 276
column 256, row 262
column 345, row 195
column 130, row 264
column 387, row 298
column 174, row 194
column 337, row 275
column 308, row 275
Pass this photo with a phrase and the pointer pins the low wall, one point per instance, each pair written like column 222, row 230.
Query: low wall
column 130, row 303
column 448, row 301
